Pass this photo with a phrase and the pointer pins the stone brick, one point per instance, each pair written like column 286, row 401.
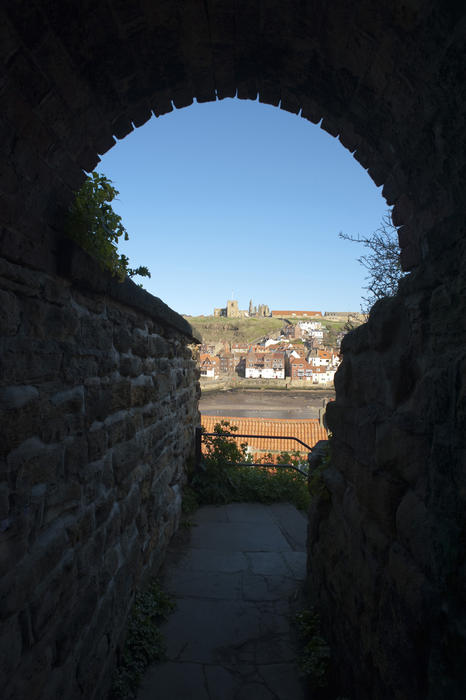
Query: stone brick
column 9, row 313
column 34, row 463
column 413, row 529
column 142, row 391
column 13, row 397
column 97, row 440
column 130, row 366
column 122, row 339
column 96, row 334
column 11, row 644
column 139, row 342
column 121, row 393
column 99, row 402
column 76, row 454
column 158, row 346
column 61, row 500
column 131, row 506
column 70, row 400
column 125, row 458
column 43, row 320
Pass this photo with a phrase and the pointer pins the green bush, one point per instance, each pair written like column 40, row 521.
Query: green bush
column 190, row 501
column 144, row 642
column 218, row 481
column 94, row 225
column 314, row 658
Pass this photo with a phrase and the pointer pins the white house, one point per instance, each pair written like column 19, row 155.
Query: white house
column 323, row 375
column 308, row 326
column 320, row 358
column 268, row 365
column 209, row 365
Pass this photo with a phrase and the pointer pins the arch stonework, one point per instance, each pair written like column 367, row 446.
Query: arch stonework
column 387, row 79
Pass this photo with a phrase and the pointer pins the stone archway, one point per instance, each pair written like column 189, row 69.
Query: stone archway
column 389, row 82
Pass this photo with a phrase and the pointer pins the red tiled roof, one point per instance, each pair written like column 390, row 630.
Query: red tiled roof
column 307, row 430
column 300, row 362
column 296, row 313
column 206, row 359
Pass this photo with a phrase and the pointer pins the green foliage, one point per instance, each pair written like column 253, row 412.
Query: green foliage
column 266, row 486
column 213, row 483
column 144, row 642
column 220, row 482
column 94, row 225
column 189, row 503
column 222, row 449
column 314, row 659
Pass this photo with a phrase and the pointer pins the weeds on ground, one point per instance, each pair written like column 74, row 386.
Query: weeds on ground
column 219, row 481
column 190, row 501
column 144, row 642
column 314, row 658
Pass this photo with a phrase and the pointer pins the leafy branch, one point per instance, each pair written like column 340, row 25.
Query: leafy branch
column 97, row 228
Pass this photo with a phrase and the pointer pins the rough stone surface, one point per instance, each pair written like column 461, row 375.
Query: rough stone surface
column 231, row 634
column 387, row 547
column 387, row 79
column 98, row 406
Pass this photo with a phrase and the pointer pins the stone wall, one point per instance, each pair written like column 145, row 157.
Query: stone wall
column 387, row 79
column 387, row 548
column 98, row 402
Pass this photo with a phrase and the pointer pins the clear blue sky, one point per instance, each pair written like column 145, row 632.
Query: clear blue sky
column 237, row 197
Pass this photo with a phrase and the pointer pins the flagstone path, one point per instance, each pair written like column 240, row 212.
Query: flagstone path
column 236, row 576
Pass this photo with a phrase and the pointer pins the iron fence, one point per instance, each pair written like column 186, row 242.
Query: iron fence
column 200, row 434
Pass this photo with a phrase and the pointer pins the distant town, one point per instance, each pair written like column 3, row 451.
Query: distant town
column 231, row 310
column 298, row 351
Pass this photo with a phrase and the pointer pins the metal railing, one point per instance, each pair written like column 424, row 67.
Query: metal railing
column 200, row 434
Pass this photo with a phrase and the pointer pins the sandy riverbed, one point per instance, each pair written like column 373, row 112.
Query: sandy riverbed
column 264, row 404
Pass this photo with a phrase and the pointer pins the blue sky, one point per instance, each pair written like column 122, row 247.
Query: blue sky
column 237, row 197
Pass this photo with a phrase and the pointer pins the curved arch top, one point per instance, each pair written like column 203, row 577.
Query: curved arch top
column 383, row 78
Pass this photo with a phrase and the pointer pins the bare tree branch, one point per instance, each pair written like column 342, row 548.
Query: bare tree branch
column 382, row 261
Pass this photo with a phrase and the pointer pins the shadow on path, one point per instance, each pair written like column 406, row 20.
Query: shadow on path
column 235, row 578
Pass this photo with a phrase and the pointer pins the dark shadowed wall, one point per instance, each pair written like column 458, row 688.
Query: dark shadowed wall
column 98, row 406
column 387, row 546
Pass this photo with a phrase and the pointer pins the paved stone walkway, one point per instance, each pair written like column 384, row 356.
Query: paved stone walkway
column 235, row 579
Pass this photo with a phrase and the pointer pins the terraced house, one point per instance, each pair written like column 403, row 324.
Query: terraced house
column 269, row 365
column 301, row 370
column 209, row 366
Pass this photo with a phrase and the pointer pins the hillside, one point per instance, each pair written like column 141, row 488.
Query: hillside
column 219, row 329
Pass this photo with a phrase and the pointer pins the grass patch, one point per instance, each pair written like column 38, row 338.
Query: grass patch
column 314, row 657
column 251, row 484
column 144, row 642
